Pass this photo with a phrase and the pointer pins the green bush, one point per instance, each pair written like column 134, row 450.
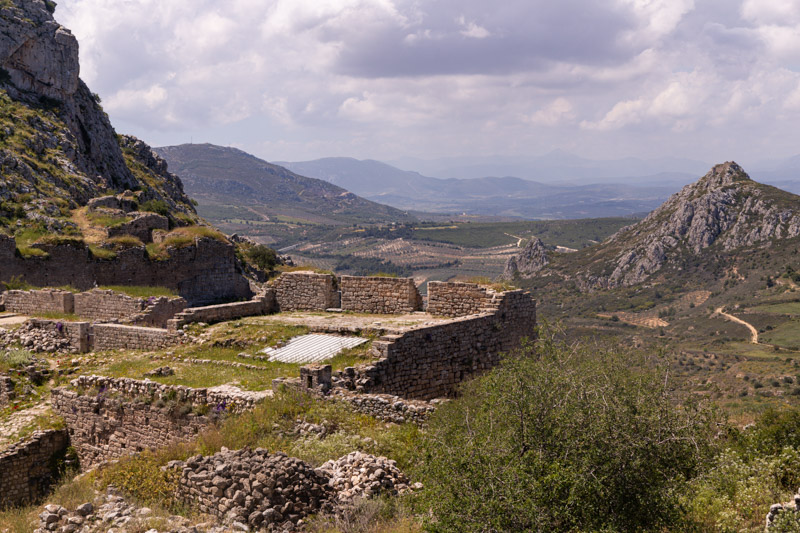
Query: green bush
column 155, row 206
column 16, row 283
column 262, row 256
column 564, row 438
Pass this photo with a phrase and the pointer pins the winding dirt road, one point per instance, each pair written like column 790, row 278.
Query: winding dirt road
column 753, row 330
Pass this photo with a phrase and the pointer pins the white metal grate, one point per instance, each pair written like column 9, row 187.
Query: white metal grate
column 312, row 348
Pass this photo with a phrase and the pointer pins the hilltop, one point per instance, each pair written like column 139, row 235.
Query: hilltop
column 220, row 176
column 706, row 224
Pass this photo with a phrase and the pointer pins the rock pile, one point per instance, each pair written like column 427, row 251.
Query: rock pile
column 113, row 513
column 361, row 475
column 254, row 489
column 36, row 339
column 778, row 511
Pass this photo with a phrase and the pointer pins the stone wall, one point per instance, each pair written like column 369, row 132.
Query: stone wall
column 103, row 305
column 379, row 295
column 109, row 418
column 305, row 291
column 119, row 337
column 28, row 469
column 259, row 305
column 45, row 301
column 157, row 312
column 387, row 407
column 457, row 299
column 7, row 393
column 430, row 361
column 77, row 333
column 141, row 227
column 204, row 273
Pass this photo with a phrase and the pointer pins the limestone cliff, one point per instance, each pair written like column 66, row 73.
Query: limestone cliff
column 57, row 146
column 528, row 262
column 721, row 212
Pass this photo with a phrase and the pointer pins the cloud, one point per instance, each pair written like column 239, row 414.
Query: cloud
column 387, row 78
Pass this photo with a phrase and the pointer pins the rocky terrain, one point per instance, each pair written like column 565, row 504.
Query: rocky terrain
column 57, row 146
column 529, row 261
column 721, row 213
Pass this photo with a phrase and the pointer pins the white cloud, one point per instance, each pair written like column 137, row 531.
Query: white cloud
column 558, row 111
column 471, row 29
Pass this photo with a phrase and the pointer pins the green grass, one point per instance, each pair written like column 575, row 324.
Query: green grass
column 788, row 308
column 55, row 315
column 142, row 291
column 786, row 335
column 29, row 252
column 98, row 218
column 99, row 252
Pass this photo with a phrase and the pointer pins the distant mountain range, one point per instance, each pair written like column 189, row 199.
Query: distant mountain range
column 216, row 175
column 499, row 196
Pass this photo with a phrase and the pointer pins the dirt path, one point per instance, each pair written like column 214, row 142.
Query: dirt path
column 753, row 330
column 519, row 239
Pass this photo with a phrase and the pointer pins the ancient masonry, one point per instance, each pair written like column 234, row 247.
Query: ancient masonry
column 204, row 273
column 379, row 295
column 109, row 418
column 30, row 467
column 7, row 393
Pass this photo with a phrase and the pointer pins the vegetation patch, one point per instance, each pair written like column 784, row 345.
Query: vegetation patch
column 141, row 291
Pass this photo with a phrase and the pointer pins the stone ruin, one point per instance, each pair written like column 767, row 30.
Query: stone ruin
column 414, row 370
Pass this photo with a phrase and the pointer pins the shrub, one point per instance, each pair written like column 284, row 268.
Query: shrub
column 564, row 438
column 262, row 256
column 155, row 206
column 16, row 283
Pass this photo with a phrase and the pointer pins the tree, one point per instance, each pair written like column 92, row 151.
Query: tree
column 564, row 438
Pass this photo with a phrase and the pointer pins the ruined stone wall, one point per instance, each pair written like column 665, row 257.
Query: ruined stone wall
column 7, row 393
column 45, row 301
column 119, row 337
column 305, row 291
column 158, row 312
column 259, row 305
column 99, row 304
column 109, row 418
column 204, row 273
column 77, row 333
column 141, row 227
column 379, row 295
column 28, row 469
column 387, row 407
column 457, row 299
column 430, row 361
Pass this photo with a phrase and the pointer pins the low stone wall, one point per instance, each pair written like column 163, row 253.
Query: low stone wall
column 457, row 299
column 28, row 469
column 106, row 305
column 379, row 295
column 44, row 301
column 259, row 305
column 430, row 361
column 76, row 333
column 119, row 337
column 305, row 291
column 109, row 418
column 387, row 407
column 7, row 393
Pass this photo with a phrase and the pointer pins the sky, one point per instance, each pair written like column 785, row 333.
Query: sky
column 295, row 80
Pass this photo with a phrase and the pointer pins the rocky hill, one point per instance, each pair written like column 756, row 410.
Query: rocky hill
column 57, row 147
column 713, row 218
column 219, row 175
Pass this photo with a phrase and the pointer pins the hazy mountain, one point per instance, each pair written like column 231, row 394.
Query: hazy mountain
column 556, row 166
column 218, row 175
column 499, row 196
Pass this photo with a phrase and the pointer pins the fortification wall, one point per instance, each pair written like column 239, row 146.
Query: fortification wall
column 158, row 312
column 379, row 295
column 119, row 337
column 458, row 299
column 430, row 361
column 28, row 469
column 306, row 291
column 44, row 301
column 109, row 418
column 204, row 273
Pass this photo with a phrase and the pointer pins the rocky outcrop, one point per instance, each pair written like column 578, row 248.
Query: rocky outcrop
column 725, row 209
column 528, row 262
column 70, row 131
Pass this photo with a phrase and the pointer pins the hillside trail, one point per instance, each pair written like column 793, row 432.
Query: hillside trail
column 753, row 330
column 519, row 239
